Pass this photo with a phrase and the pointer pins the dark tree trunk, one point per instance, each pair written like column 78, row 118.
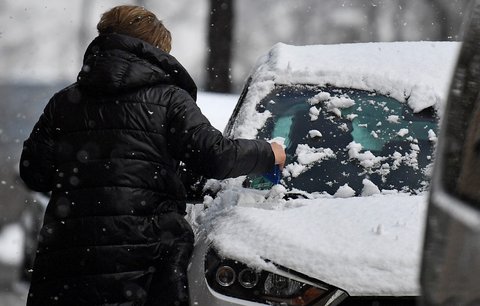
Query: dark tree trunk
column 220, row 46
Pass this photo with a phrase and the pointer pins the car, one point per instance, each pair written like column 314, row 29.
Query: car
column 344, row 224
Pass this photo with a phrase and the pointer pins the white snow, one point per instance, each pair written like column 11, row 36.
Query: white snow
column 351, row 117
column 335, row 104
column 369, row 188
column 418, row 73
column 414, row 147
column 402, row 132
column 323, row 96
column 11, row 244
column 432, row 136
column 44, row 35
column 294, row 169
column 314, row 112
column 306, row 156
column 217, row 107
column 418, row 70
column 314, row 133
column 344, row 191
column 367, row 159
column 365, row 245
column 392, row 119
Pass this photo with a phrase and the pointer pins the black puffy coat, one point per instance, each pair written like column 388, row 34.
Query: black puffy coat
column 108, row 148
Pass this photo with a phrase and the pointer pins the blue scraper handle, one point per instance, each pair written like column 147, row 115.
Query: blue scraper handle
column 274, row 176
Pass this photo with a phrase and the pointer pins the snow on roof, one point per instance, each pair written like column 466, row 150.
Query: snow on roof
column 364, row 245
column 417, row 72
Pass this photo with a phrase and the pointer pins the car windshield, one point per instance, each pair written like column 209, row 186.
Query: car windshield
column 346, row 139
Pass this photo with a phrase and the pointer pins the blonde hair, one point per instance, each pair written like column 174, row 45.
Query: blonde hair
column 137, row 22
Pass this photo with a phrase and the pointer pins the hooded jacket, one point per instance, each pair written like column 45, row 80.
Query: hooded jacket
column 108, row 148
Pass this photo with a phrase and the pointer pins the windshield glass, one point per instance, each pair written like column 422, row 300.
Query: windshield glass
column 345, row 140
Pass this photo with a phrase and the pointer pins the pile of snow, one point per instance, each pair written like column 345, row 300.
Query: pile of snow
column 365, row 245
column 416, row 72
column 332, row 104
column 393, row 119
column 306, row 157
column 344, row 191
column 366, row 159
column 369, row 188
column 314, row 133
column 402, row 132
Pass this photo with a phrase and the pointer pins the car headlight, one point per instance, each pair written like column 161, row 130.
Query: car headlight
column 235, row 279
column 225, row 276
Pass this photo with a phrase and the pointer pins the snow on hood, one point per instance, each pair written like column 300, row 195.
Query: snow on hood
column 364, row 245
column 417, row 72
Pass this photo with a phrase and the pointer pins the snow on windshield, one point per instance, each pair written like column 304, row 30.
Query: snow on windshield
column 335, row 138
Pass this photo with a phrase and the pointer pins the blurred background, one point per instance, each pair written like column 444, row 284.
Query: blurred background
column 218, row 41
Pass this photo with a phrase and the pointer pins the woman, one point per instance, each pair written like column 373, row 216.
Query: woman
column 108, row 148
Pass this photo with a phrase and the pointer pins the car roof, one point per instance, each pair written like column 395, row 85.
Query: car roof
column 419, row 72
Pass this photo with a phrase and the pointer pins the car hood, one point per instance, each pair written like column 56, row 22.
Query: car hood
column 363, row 245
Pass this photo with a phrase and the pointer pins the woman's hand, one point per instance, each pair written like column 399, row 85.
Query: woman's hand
column 279, row 153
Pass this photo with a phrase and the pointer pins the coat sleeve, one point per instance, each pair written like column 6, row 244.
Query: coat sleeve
column 37, row 160
column 203, row 148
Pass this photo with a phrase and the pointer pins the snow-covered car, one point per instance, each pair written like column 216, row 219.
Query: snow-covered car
column 345, row 224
